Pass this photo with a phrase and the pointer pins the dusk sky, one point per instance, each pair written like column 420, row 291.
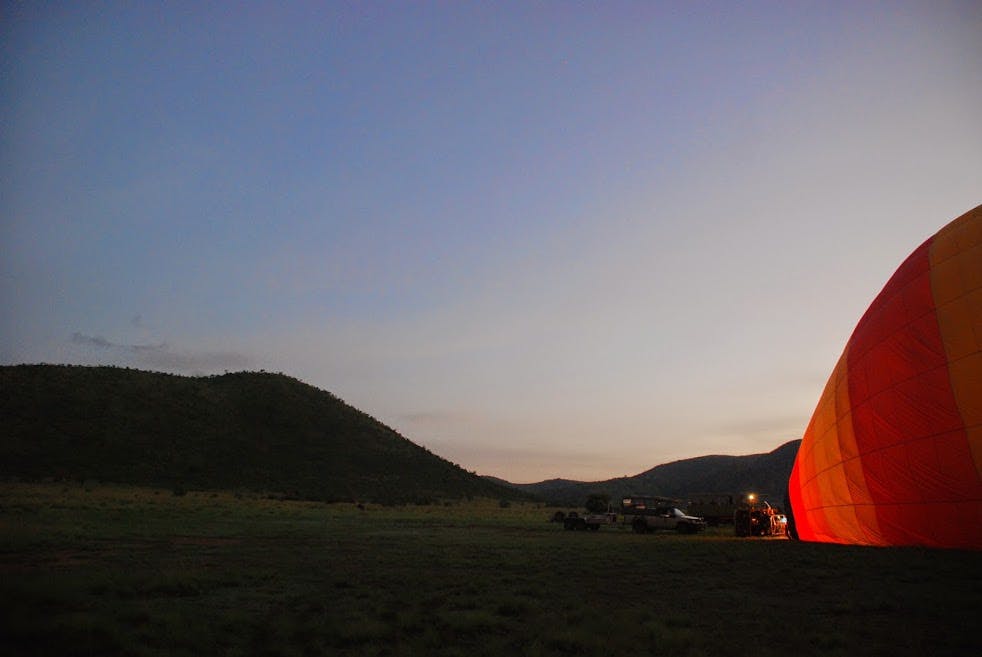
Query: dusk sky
column 541, row 239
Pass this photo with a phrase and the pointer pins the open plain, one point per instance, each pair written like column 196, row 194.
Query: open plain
column 99, row 570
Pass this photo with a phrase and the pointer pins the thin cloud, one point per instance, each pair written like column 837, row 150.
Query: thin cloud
column 92, row 341
column 208, row 361
column 770, row 425
column 431, row 419
column 161, row 356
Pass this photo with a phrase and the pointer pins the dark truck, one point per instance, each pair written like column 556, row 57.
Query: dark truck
column 749, row 513
column 716, row 508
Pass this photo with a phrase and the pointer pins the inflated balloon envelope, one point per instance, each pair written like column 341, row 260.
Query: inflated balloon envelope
column 893, row 452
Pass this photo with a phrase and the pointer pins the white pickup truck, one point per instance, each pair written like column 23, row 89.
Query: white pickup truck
column 667, row 517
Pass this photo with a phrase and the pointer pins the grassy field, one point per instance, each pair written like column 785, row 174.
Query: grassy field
column 105, row 570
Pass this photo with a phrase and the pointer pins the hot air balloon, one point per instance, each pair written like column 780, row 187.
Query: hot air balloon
column 893, row 452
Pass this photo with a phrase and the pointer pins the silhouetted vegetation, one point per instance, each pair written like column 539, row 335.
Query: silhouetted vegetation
column 255, row 431
column 597, row 503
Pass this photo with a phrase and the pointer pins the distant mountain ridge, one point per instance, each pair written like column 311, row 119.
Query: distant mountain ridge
column 762, row 473
column 258, row 431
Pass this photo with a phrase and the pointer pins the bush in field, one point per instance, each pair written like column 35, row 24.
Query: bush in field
column 597, row 503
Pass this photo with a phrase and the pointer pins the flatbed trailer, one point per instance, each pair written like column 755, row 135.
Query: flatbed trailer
column 593, row 521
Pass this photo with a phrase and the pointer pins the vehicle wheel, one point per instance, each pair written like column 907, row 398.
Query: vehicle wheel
column 686, row 528
column 639, row 526
column 593, row 528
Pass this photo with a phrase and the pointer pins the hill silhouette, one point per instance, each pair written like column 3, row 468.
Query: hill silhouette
column 257, row 431
column 763, row 473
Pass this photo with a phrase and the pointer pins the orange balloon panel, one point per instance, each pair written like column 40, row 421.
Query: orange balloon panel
column 893, row 453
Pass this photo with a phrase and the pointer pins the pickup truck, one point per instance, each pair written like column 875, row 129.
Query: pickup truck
column 667, row 517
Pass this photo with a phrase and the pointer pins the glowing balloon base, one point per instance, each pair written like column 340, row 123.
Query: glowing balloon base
column 893, row 452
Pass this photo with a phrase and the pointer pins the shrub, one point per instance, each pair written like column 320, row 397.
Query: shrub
column 597, row 503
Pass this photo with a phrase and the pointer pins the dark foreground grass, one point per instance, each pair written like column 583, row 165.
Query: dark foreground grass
column 131, row 571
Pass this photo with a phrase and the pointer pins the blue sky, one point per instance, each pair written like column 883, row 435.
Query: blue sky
column 543, row 239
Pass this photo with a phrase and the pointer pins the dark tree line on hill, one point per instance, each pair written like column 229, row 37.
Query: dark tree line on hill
column 258, row 431
column 272, row 433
